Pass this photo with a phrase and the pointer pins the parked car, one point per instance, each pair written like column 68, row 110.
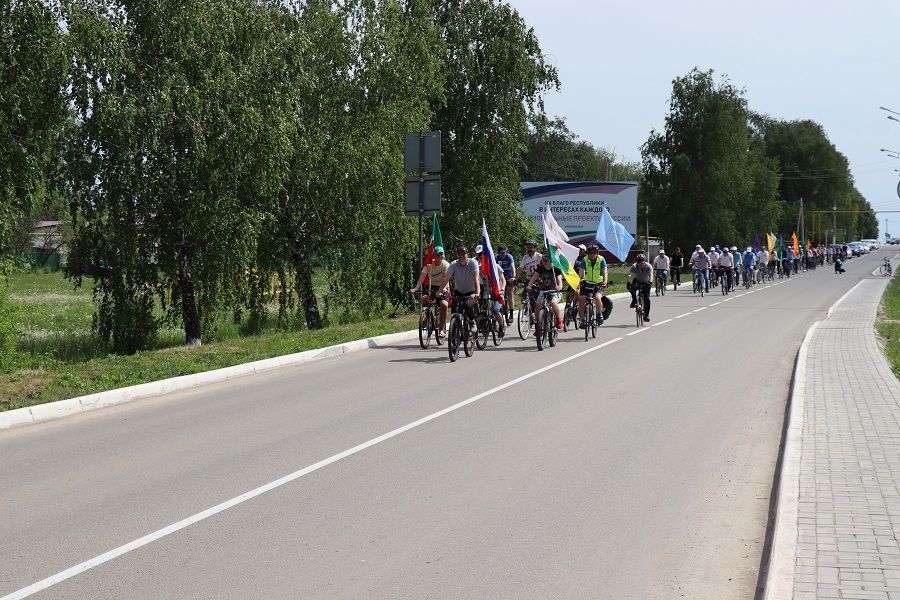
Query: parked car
column 855, row 248
column 873, row 244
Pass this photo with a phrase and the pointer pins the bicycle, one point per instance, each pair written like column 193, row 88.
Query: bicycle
column 725, row 276
column 545, row 327
column 462, row 328
column 427, row 322
column 526, row 315
column 676, row 277
column 639, row 302
column 570, row 315
column 748, row 277
column 661, row 280
column 486, row 326
column 885, row 269
column 770, row 271
column 591, row 318
column 699, row 286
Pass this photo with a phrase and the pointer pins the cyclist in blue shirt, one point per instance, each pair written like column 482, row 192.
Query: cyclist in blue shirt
column 748, row 258
column 507, row 264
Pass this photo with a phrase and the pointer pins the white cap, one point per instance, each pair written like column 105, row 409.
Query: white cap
column 582, row 247
column 661, row 251
column 698, row 247
column 712, row 248
column 478, row 248
column 734, row 247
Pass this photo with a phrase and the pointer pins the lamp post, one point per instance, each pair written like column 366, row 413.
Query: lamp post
column 889, row 110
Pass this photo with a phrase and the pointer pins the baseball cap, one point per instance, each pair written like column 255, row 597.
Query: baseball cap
column 501, row 248
column 582, row 247
column 462, row 249
column 438, row 249
column 478, row 249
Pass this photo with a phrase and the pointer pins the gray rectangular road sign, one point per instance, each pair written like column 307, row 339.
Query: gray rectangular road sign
column 428, row 194
column 422, row 151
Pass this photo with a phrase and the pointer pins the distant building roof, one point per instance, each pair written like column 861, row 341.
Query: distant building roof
column 46, row 224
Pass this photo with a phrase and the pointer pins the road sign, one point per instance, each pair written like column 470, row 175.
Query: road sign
column 424, row 195
column 422, row 151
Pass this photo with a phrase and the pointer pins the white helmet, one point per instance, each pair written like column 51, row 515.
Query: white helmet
column 478, row 249
column 749, row 249
column 733, row 248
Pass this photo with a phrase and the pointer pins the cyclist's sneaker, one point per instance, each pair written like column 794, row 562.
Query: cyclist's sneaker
column 502, row 332
column 600, row 319
column 647, row 318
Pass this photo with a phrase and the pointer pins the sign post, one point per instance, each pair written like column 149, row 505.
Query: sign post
column 422, row 192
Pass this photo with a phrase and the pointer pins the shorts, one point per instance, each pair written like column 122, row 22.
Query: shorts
column 588, row 290
column 549, row 295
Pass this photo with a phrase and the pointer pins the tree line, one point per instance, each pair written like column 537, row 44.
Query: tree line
column 208, row 147
column 204, row 149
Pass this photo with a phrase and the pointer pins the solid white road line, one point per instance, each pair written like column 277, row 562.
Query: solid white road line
column 716, row 303
column 679, row 316
column 639, row 330
column 165, row 531
column 701, row 308
column 661, row 323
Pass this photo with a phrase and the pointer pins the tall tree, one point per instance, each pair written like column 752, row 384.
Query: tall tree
column 705, row 176
column 495, row 76
column 175, row 144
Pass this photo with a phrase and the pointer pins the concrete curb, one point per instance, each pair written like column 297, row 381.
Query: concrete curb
column 780, row 579
column 63, row 408
column 40, row 413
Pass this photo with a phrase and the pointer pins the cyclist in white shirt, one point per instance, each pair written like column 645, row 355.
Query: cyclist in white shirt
column 714, row 255
column 726, row 265
column 762, row 263
column 528, row 263
column 661, row 266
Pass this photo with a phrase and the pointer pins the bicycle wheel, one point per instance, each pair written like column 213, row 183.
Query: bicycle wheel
column 552, row 332
column 663, row 289
column 454, row 337
column 883, row 270
column 468, row 341
column 589, row 319
column 656, row 287
column 639, row 312
column 482, row 330
column 495, row 333
column 724, row 285
column 524, row 325
column 425, row 328
column 540, row 329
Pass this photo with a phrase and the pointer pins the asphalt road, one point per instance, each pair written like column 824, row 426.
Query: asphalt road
column 639, row 469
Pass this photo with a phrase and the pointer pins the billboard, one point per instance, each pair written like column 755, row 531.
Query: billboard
column 577, row 205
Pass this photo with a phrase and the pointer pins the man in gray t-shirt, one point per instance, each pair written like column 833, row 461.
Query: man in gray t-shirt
column 640, row 276
column 464, row 273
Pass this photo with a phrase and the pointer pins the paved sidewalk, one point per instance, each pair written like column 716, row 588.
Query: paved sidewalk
column 839, row 509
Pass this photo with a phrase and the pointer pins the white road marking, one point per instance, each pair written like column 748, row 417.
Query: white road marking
column 639, row 330
column 701, row 308
column 728, row 299
column 716, row 303
column 661, row 323
column 679, row 316
column 209, row 512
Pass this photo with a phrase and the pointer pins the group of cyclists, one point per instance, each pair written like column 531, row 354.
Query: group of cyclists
column 543, row 284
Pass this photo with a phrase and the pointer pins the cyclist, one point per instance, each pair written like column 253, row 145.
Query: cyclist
column 701, row 266
column 714, row 255
column 547, row 279
column 749, row 260
column 736, row 271
column 529, row 262
column 495, row 305
column 661, row 266
column 466, row 281
column 437, row 276
column 726, row 266
column 593, row 272
column 640, row 278
column 788, row 260
column 507, row 264
column 762, row 260
column 676, row 264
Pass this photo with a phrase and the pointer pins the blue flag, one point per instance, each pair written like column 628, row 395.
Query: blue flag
column 613, row 236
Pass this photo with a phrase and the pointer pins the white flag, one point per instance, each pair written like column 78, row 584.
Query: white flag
column 552, row 226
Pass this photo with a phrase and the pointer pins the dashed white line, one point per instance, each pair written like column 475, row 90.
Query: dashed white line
column 679, row 316
column 661, row 322
column 701, row 308
column 639, row 330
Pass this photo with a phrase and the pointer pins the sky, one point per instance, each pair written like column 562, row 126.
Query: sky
column 835, row 62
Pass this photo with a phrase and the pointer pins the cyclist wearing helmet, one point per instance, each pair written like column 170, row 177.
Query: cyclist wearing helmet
column 700, row 266
column 714, row 255
column 593, row 272
column 507, row 264
column 726, row 266
column 640, row 278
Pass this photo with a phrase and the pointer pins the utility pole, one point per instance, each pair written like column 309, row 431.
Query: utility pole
column 834, row 223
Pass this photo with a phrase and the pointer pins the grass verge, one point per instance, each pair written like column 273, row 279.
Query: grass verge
column 59, row 380
column 888, row 325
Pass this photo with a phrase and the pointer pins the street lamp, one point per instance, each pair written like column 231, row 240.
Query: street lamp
column 889, row 110
column 893, row 118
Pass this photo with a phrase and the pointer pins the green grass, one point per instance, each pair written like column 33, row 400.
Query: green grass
column 61, row 359
column 888, row 325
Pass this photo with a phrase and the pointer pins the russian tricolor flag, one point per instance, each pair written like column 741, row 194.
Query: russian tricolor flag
column 489, row 262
